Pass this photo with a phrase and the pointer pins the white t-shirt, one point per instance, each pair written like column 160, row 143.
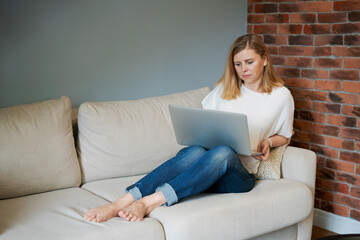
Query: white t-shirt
column 267, row 115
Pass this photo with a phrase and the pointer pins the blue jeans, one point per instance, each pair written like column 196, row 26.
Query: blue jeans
column 194, row 170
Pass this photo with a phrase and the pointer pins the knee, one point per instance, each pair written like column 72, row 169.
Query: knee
column 222, row 152
column 193, row 150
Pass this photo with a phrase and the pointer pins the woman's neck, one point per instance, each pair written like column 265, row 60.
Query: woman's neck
column 255, row 87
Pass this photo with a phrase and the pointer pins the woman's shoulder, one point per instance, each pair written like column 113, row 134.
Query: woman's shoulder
column 282, row 90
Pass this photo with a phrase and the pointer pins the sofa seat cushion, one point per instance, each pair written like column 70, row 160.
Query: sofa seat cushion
column 58, row 215
column 127, row 138
column 271, row 205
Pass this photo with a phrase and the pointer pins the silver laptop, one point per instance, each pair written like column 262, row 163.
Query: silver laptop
column 210, row 128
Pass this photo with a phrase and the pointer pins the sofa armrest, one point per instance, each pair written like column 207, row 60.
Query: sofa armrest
column 299, row 164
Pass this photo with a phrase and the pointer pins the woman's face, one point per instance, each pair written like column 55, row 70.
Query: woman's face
column 249, row 66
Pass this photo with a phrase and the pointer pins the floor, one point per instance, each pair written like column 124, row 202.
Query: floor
column 319, row 232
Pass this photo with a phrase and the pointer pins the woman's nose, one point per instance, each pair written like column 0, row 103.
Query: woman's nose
column 244, row 68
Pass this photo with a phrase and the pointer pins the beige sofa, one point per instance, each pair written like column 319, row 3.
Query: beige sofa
column 47, row 182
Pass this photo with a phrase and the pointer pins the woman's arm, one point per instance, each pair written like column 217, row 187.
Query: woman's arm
column 266, row 144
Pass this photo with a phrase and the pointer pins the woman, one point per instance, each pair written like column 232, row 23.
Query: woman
column 248, row 85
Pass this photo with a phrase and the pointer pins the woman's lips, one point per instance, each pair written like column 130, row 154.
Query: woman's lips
column 246, row 76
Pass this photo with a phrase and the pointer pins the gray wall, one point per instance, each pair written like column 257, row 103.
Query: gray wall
column 92, row 50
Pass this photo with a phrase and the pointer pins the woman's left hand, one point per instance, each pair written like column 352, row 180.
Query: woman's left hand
column 264, row 147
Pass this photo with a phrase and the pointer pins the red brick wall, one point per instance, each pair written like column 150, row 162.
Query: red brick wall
column 315, row 46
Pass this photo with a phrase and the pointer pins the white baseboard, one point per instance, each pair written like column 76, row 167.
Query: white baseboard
column 335, row 223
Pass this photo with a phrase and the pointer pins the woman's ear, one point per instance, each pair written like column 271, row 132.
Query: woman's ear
column 265, row 60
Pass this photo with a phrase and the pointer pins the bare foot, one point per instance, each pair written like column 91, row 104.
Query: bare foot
column 108, row 211
column 142, row 207
column 134, row 212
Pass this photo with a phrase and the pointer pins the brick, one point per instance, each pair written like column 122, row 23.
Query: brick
column 265, row 8
column 347, row 200
column 358, row 149
column 357, row 171
column 325, row 151
column 348, row 178
column 328, row 85
column 295, row 92
column 302, row 125
column 317, row 51
column 335, row 208
column 312, row 138
column 288, row 72
column 359, row 127
column 346, row 28
column 275, row 39
column 346, row 51
column 324, row 195
column 291, row 7
column 273, row 50
column 312, row 116
column 320, row 163
column 250, row 6
column 344, row 98
column 314, row 95
column 340, row 165
column 335, row 186
column 329, row 40
column 354, row 16
column 265, row 29
column 290, row 29
column 325, row 129
column 328, row 63
column 355, row 214
column 322, row 6
column 317, row 203
column 299, row 82
column 301, row 40
column 299, row 144
column 344, row 74
column 315, row 73
column 325, row 173
column 352, row 63
column 351, row 110
column 249, row 29
column 352, row 40
column 317, row 29
column 256, row 18
column 334, row 17
column 348, row 5
column 350, row 133
column 300, row 62
column 303, row 104
column 303, row 18
column 355, row 192
column 291, row 51
column 326, row 107
column 353, row 87
column 350, row 156
column 278, row 60
column 277, row 18
column 341, row 120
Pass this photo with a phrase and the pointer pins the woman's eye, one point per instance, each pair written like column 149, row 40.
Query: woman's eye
column 237, row 64
column 250, row 62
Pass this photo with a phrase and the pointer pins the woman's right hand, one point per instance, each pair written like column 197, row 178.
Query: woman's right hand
column 264, row 147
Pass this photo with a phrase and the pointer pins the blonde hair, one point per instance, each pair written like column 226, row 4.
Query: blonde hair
column 231, row 81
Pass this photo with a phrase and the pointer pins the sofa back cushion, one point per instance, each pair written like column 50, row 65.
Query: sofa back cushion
column 126, row 138
column 37, row 151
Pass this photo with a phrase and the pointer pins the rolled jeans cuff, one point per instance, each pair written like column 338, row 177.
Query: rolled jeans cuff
column 135, row 192
column 169, row 194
